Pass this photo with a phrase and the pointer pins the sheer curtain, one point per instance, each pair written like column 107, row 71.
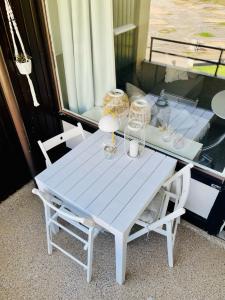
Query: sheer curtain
column 86, row 29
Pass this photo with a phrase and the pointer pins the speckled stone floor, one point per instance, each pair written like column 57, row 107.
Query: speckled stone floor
column 27, row 272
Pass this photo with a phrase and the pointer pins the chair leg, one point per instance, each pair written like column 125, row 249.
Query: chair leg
column 175, row 230
column 169, row 238
column 54, row 228
column 95, row 234
column 222, row 227
column 48, row 229
column 90, row 254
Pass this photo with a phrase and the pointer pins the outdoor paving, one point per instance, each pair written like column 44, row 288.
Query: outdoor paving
column 201, row 21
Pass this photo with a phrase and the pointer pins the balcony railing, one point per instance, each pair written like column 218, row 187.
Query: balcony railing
column 219, row 62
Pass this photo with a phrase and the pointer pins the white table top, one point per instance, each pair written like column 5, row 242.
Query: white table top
column 114, row 192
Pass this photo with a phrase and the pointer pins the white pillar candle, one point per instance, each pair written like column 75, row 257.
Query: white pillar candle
column 133, row 148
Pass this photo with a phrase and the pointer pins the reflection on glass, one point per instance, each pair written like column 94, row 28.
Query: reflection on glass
column 168, row 135
column 179, row 141
column 186, row 126
column 221, row 71
column 161, row 112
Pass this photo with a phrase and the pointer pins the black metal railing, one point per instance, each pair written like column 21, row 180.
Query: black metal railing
column 217, row 63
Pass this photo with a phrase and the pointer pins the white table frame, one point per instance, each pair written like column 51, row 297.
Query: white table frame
column 113, row 192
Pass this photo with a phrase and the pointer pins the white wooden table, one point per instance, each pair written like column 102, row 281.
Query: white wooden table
column 114, row 192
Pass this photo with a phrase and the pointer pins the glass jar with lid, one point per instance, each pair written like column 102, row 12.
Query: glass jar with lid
column 161, row 112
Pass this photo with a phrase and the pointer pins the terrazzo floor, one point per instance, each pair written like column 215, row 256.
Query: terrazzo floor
column 28, row 272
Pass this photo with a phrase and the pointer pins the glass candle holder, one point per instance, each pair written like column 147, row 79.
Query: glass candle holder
column 133, row 148
column 109, row 144
column 134, row 138
column 109, row 151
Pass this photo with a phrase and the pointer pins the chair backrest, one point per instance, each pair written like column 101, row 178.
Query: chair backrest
column 180, row 183
column 51, row 202
column 59, row 139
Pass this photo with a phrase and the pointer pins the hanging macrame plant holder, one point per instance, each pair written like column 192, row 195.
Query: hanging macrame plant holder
column 22, row 60
column 25, row 67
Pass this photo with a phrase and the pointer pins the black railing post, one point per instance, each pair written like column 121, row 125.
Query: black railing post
column 151, row 46
column 219, row 62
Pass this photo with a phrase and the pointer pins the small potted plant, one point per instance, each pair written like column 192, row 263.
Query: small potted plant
column 23, row 63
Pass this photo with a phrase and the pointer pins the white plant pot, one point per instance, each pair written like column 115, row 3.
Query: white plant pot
column 24, row 68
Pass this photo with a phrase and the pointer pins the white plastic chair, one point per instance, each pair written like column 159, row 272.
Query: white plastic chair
column 54, row 210
column 59, row 139
column 154, row 218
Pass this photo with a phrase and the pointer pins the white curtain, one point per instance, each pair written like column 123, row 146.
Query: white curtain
column 86, row 28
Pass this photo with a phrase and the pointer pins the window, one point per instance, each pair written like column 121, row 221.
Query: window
column 99, row 46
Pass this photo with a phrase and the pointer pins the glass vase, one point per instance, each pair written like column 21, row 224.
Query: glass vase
column 134, row 138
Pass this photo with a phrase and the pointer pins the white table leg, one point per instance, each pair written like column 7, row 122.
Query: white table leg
column 121, row 254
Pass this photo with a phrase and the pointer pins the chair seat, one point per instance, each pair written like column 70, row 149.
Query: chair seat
column 148, row 216
column 153, row 211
